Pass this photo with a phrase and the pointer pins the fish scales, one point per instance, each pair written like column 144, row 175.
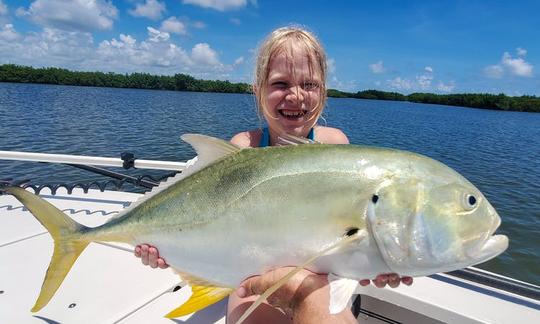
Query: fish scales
column 241, row 212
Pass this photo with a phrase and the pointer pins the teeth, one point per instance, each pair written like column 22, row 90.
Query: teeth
column 292, row 113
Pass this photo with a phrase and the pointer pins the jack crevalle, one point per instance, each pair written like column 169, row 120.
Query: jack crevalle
column 350, row 211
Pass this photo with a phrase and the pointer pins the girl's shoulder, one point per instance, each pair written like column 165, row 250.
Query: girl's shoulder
column 250, row 138
column 330, row 135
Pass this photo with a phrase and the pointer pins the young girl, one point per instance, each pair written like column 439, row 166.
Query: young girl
column 290, row 89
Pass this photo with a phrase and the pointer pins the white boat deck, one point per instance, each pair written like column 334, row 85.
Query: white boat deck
column 109, row 285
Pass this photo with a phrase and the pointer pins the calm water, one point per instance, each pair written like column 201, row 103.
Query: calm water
column 498, row 151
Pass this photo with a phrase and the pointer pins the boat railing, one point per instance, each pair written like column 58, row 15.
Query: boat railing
column 128, row 160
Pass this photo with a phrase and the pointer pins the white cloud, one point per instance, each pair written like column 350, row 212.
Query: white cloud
column 155, row 35
column 424, row 81
column 8, row 33
column 517, row 66
column 235, row 21
column 400, row 84
column 3, row 8
column 509, row 65
column 421, row 82
column 377, row 68
column 220, row 5
column 151, row 9
column 331, row 65
column 446, row 87
column 521, row 52
column 239, row 61
column 123, row 54
column 198, row 25
column 51, row 47
column 203, row 54
column 335, row 83
column 75, row 15
column 494, row 71
column 174, row 26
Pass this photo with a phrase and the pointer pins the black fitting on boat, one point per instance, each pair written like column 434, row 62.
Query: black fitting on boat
column 129, row 160
column 4, row 183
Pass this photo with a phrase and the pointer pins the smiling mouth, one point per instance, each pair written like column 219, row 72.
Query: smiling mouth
column 292, row 114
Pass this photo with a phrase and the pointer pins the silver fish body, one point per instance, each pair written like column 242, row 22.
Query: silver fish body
column 241, row 212
column 262, row 208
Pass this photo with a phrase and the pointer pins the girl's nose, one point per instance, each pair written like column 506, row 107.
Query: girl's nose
column 296, row 94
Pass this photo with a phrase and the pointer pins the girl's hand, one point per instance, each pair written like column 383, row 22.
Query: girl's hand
column 392, row 279
column 303, row 299
column 292, row 292
column 150, row 256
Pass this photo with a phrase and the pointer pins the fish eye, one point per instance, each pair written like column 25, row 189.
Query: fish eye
column 374, row 199
column 470, row 201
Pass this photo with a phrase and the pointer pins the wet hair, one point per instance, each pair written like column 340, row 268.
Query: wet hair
column 283, row 41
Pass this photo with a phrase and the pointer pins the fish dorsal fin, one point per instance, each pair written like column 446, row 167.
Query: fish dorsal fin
column 288, row 139
column 342, row 243
column 203, row 294
column 209, row 150
column 341, row 291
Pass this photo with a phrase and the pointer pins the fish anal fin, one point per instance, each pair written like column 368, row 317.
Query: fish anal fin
column 201, row 297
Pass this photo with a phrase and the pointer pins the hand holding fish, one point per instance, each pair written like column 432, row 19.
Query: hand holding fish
column 304, row 299
column 150, row 256
column 392, row 279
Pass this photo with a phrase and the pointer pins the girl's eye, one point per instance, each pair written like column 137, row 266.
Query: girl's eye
column 310, row 86
column 280, row 84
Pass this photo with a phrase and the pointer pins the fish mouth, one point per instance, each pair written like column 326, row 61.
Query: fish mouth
column 492, row 245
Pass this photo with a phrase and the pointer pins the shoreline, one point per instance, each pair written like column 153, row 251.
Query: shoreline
column 11, row 73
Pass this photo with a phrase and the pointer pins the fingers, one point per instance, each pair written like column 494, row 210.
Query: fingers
column 153, row 257
column 365, row 282
column 150, row 256
column 162, row 264
column 392, row 279
column 144, row 254
column 407, row 280
column 380, row 281
column 250, row 287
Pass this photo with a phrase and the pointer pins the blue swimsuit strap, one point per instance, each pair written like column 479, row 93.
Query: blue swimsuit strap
column 265, row 138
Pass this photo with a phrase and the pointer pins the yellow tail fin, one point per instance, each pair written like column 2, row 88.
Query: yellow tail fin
column 66, row 235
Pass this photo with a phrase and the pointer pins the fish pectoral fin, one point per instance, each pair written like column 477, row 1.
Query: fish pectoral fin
column 201, row 297
column 345, row 241
column 341, row 291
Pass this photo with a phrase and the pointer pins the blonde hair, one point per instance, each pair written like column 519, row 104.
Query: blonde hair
column 280, row 41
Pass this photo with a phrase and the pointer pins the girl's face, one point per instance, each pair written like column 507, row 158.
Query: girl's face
column 292, row 93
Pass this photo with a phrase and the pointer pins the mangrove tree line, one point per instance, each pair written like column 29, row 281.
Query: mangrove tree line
column 184, row 82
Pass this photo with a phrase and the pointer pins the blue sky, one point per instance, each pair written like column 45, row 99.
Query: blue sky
column 403, row 46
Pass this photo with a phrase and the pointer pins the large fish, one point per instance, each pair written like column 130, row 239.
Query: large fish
column 350, row 211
